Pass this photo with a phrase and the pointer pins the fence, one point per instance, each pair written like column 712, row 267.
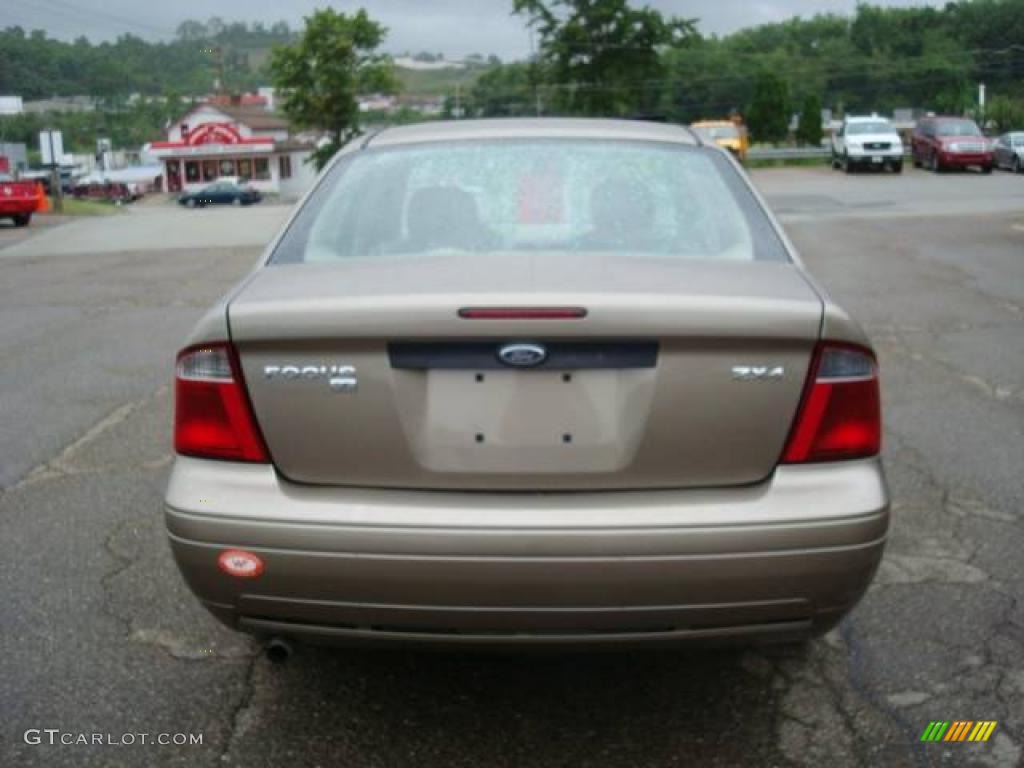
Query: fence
column 793, row 153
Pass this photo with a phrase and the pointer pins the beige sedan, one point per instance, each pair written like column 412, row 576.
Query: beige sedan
column 536, row 382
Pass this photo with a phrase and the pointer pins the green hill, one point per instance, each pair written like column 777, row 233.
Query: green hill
column 436, row 82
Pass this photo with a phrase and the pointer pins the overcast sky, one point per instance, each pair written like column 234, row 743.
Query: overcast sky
column 454, row 27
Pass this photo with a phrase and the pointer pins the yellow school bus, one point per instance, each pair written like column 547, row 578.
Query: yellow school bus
column 730, row 134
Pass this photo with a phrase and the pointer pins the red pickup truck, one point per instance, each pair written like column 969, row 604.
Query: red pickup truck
column 18, row 200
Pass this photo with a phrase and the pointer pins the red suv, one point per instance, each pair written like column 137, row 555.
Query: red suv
column 950, row 142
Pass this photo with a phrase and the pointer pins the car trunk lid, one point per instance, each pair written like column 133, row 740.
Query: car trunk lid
column 678, row 373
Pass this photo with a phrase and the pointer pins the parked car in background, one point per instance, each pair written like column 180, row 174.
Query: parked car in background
column 18, row 199
column 1008, row 151
column 221, row 193
column 106, row 191
column 67, row 179
column 726, row 134
column 529, row 382
column 867, row 142
column 939, row 143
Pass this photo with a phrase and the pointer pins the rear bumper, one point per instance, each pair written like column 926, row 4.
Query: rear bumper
column 963, row 160
column 886, row 157
column 781, row 559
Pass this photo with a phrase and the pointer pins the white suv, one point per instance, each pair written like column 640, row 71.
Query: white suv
column 867, row 142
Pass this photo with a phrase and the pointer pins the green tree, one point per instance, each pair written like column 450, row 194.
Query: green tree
column 808, row 130
column 504, row 90
column 601, row 57
column 1005, row 113
column 332, row 61
column 768, row 114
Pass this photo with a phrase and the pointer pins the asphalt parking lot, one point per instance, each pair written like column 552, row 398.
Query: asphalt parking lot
column 98, row 634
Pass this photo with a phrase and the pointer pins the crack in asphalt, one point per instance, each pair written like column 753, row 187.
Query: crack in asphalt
column 995, row 392
column 122, row 563
column 822, row 670
column 1004, row 628
column 242, row 714
column 961, row 277
column 859, row 683
column 961, row 508
column 62, row 465
column 955, row 560
column 181, row 649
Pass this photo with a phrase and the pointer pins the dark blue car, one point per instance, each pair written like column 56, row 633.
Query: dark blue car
column 220, row 193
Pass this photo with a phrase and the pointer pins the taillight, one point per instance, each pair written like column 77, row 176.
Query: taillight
column 840, row 415
column 212, row 415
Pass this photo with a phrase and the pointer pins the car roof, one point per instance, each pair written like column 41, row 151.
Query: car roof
column 532, row 128
column 866, row 119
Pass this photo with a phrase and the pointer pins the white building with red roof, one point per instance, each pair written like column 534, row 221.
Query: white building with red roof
column 234, row 139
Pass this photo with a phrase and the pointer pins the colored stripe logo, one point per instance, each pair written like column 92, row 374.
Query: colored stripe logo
column 958, row 730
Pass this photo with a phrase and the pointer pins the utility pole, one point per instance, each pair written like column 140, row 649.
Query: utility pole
column 55, row 181
column 533, row 74
column 218, row 62
column 458, row 101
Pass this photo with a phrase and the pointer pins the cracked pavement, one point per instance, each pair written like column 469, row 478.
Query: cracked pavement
column 98, row 634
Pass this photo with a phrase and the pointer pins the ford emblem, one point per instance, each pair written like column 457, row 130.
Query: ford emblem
column 522, row 355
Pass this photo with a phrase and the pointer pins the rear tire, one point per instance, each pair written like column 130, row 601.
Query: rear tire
column 897, row 167
column 190, row 203
column 848, row 167
column 1017, row 167
column 237, row 202
column 986, row 169
column 934, row 165
column 22, row 219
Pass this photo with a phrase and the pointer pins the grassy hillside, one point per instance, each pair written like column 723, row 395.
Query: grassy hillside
column 438, row 82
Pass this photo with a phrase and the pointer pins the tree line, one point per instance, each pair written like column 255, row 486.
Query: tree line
column 164, row 75
column 127, row 126
column 601, row 57
column 35, row 66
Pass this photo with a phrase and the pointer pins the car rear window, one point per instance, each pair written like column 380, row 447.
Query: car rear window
column 853, row 129
column 538, row 195
column 957, row 128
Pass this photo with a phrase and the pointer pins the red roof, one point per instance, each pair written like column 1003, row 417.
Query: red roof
column 243, row 100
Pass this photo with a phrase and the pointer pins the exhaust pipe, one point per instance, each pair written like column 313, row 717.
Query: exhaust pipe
column 279, row 650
